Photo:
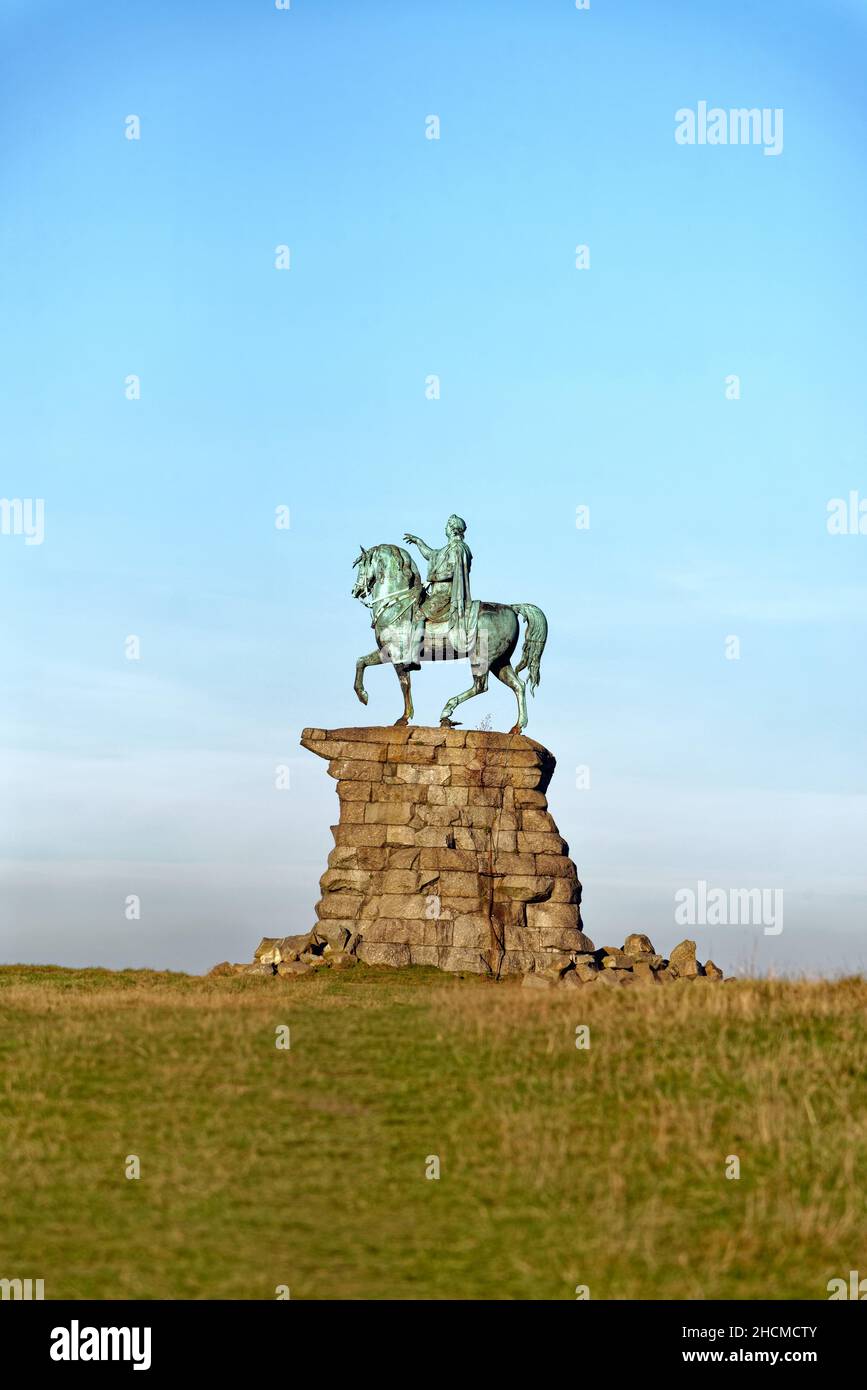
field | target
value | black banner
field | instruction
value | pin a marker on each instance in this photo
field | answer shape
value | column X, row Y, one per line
column 151, row 1338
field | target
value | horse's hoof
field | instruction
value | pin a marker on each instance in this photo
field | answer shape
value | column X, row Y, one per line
column 450, row 723
column 399, row 723
column 516, row 729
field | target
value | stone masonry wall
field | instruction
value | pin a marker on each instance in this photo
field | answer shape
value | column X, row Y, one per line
column 446, row 853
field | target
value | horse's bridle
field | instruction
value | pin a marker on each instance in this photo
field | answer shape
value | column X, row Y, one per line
column 381, row 604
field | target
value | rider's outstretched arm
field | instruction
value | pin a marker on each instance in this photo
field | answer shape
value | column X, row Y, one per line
column 426, row 550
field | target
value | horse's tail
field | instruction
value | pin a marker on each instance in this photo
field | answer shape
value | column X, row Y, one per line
column 535, row 637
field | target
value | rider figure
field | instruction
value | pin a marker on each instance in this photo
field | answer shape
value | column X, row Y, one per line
column 447, row 595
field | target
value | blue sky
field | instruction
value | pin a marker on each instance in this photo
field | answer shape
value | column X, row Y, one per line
column 602, row 387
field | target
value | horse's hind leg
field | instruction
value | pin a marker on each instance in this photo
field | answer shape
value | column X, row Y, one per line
column 478, row 687
column 403, row 676
column 505, row 674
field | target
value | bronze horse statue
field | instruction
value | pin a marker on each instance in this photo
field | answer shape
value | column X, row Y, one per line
column 389, row 584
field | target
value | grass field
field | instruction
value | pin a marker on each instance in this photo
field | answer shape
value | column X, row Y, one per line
column 305, row 1167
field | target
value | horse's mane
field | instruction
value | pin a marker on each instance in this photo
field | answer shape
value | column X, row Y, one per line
column 404, row 561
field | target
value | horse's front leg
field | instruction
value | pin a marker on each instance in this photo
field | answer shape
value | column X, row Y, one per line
column 403, row 677
column 361, row 665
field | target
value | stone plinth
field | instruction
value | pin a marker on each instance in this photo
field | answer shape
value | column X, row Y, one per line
column 446, row 853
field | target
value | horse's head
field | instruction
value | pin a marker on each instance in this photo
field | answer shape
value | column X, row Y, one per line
column 385, row 567
column 366, row 569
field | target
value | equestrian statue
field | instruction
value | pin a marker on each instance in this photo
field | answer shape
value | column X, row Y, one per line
column 439, row 621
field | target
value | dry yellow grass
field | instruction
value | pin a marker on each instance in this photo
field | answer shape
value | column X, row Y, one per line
column 560, row 1167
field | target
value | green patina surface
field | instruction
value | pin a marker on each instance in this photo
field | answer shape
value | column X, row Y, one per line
column 439, row 620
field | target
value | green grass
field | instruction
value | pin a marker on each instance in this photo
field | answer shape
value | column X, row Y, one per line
column 306, row 1167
